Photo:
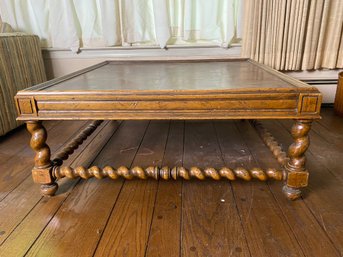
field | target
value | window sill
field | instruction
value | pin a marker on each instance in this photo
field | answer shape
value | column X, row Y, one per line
column 177, row 51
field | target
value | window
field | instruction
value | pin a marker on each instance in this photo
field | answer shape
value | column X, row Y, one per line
column 101, row 23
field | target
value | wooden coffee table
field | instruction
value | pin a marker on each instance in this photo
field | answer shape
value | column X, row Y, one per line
column 156, row 90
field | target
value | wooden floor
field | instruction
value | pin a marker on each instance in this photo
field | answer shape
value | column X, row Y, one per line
column 173, row 218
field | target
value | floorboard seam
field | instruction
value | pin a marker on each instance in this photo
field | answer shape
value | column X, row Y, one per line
column 76, row 184
column 309, row 151
column 155, row 200
column 67, row 140
column 122, row 185
column 319, row 214
column 52, row 216
column 302, row 199
column 14, row 188
column 314, row 130
column 231, row 189
column 328, row 236
column 17, row 225
column 182, row 191
column 256, row 160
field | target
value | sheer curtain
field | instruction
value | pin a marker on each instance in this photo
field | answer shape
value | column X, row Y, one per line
column 294, row 35
column 99, row 23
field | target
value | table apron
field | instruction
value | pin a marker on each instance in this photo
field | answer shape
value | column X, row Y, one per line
column 292, row 106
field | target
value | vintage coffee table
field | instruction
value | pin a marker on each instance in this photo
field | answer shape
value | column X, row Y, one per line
column 156, row 90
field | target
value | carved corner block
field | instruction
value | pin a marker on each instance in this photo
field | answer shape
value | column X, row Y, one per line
column 297, row 179
column 309, row 103
column 42, row 176
column 26, row 106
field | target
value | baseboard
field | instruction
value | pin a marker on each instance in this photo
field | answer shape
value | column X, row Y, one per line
column 325, row 80
column 328, row 91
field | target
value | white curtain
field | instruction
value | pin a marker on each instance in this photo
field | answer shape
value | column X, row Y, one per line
column 98, row 23
column 203, row 20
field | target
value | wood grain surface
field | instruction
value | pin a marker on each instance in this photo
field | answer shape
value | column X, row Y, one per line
column 338, row 105
column 84, row 197
column 39, row 215
column 166, row 221
column 134, row 231
column 172, row 76
column 204, row 232
column 253, row 220
column 201, row 89
column 312, row 238
column 265, row 229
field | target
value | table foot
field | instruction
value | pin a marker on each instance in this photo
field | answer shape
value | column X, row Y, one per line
column 293, row 163
column 43, row 168
column 291, row 193
column 49, row 189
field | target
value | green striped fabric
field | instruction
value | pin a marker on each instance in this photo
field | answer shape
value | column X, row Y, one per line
column 21, row 66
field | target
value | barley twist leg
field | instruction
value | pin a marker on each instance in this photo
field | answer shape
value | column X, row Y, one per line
column 71, row 146
column 42, row 170
column 296, row 173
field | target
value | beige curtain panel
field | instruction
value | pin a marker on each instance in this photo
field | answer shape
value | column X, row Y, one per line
column 294, row 34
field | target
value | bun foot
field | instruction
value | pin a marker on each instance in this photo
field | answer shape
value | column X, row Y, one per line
column 291, row 193
column 49, row 189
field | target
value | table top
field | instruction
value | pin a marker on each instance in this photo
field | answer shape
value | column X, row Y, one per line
column 197, row 89
column 176, row 76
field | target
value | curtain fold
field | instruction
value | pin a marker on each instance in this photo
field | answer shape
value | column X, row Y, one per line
column 161, row 22
column 64, row 27
column 30, row 16
column 217, row 21
column 294, row 34
column 100, row 23
column 138, row 22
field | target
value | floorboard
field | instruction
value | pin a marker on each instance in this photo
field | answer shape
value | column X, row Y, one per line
column 132, row 215
column 16, row 168
column 305, row 228
column 173, row 218
column 265, row 228
column 166, row 221
column 210, row 224
column 326, row 178
column 39, row 216
column 24, row 194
